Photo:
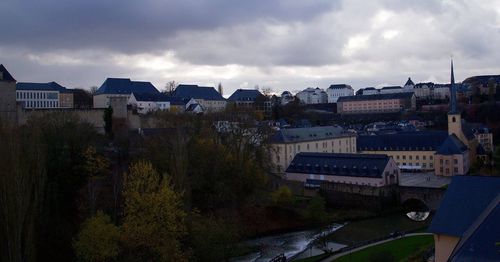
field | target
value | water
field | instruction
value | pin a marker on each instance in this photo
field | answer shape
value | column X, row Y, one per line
column 290, row 244
column 418, row 216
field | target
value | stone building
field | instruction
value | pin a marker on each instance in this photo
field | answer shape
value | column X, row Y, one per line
column 44, row 95
column 381, row 103
column 336, row 91
column 207, row 97
column 120, row 87
column 8, row 107
column 312, row 96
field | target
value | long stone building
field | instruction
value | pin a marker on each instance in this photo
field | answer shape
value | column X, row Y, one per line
column 381, row 103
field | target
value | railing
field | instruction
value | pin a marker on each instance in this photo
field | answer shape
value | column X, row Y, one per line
column 279, row 258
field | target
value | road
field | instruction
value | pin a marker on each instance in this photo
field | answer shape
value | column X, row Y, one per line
column 332, row 258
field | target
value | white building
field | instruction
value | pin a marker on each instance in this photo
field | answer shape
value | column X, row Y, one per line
column 336, row 91
column 43, row 95
column 286, row 97
column 370, row 91
column 146, row 103
column 409, row 85
column 120, row 87
column 312, row 96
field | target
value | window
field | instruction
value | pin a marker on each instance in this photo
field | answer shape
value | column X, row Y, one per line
column 455, row 161
column 431, row 165
column 423, row 157
column 455, row 169
column 417, row 158
column 447, row 171
column 441, row 169
column 441, row 161
column 404, row 157
column 447, row 161
column 430, row 157
column 298, row 147
column 397, row 157
column 410, row 157
column 307, row 146
column 316, row 145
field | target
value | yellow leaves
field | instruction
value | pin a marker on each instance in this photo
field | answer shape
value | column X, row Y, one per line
column 94, row 164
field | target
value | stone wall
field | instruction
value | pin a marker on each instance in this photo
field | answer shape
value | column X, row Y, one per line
column 350, row 196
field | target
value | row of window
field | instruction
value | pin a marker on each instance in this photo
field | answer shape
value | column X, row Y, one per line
column 424, row 165
column 41, row 104
column 36, row 95
column 416, row 157
column 455, row 169
column 447, row 162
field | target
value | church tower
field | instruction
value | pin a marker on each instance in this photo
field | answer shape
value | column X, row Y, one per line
column 454, row 118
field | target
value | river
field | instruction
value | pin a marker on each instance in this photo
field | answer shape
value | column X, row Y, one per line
column 293, row 245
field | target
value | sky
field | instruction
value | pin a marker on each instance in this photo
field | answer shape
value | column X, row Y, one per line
column 277, row 44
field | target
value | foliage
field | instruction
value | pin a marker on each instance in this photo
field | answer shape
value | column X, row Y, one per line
column 316, row 209
column 282, row 196
column 22, row 177
column 108, row 121
column 95, row 167
column 154, row 221
column 98, row 239
column 213, row 239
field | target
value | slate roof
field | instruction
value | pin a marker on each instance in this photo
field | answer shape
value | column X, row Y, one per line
column 197, row 92
column 478, row 242
column 246, row 95
column 391, row 87
column 177, row 101
column 6, row 75
column 465, row 199
column 340, row 86
column 482, row 79
column 451, row 146
column 52, row 86
column 125, row 86
column 289, row 135
column 404, row 141
column 421, row 85
column 406, row 95
column 151, row 97
column 409, row 82
column 355, row 165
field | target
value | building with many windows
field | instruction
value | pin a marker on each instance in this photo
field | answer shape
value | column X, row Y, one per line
column 288, row 142
column 251, row 98
column 336, row 91
column 146, row 103
column 121, row 87
column 312, row 96
column 313, row 169
column 382, row 103
column 43, row 95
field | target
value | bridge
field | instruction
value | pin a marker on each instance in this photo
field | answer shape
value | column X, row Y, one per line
column 421, row 198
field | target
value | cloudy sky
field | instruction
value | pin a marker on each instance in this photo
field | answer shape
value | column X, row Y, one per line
column 282, row 44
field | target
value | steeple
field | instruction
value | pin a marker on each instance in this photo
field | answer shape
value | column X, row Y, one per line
column 453, row 92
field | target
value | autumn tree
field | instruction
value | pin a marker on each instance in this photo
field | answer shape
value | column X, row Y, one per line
column 282, row 196
column 98, row 240
column 95, row 167
column 154, row 221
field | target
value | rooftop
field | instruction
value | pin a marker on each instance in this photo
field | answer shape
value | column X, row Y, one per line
column 52, row 86
column 289, row 135
column 406, row 95
column 6, row 76
column 404, row 141
column 246, row 95
column 197, row 92
column 451, row 146
column 340, row 86
column 358, row 165
column 125, row 86
column 464, row 201
column 151, row 97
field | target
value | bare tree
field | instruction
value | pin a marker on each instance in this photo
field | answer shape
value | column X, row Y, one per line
column 267, row 91
column 93, row 90
column 170, row 87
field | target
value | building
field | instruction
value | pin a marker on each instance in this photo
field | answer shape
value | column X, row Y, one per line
column 120, row 87
column 482, row 134
column 145, row 103
column 251, row 98
column 209, row 99
column 359, row 169
column 391, row 90
column 465, row 227
column 312, row 96
column 335, row 91
column 43, row 95
column 8, row 107
column 451, row 158
column 409, row 85
column 286, row 97
column 440, row 91
column 286, row 143
column 382, row 103
column 370, row 91
column 423, row 90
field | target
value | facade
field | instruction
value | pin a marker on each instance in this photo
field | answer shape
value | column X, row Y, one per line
column 452, row 158
column 286, row 143
column 423, row 90
column 209, row 99
column 120, row 87
column 370, row 91
column 409, row 85
column 358, row 169
column 312, row 96
column 286, row 97
column 440, row 91
column 382, row 103
column 43, row 95
column 251, row 98
column 8, row 107
column 335, row 91
column 146, row 103
column 465, row 227
column 391, row 90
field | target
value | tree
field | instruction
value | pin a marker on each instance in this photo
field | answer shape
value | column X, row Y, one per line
column 98, row 239
column 108, row 121
column 93, row 90
column 95, row 167
column 491, row 90
column 282, row 196
column 316, row 209
column 154, row 221
column 22, row 178
column 170, row 87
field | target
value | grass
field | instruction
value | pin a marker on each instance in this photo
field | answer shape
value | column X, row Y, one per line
column 313, row 258
column 399, row 249
column 372, row 228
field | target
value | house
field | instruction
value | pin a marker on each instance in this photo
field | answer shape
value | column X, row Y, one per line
column 43, row 95
column 251, row 98
column 359, row 169
column 465, row 227
column 391, row 90
column 312, row 96
column 286, row 143
column 381, row 103
column 8, row 107
column 286, row 97
column 120, row 87
column 370, row 91
column 452, row 157
column 423, row 90
column 208, row 98
column 145, row 103
column 336, row 91
column 409, row 85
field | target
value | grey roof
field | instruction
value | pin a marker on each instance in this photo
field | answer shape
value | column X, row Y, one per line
column 409, row 82
column 357, row 165
column 52, row 86
column 340, row 86
column 391, row 87
column 125, row 86
column 464, row 201
column 404, row 141
column 197, row 92
column 246, row 95
column 406, row 95
column 6, row 75
column 289, row 135
column 151, row 97
column 451, row 146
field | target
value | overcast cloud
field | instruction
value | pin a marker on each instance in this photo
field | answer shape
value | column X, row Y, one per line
column 283, row 44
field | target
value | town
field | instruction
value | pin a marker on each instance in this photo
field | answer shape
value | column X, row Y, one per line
column 130, row 171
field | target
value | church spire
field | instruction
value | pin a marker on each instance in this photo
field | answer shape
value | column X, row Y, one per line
column 453, row 92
